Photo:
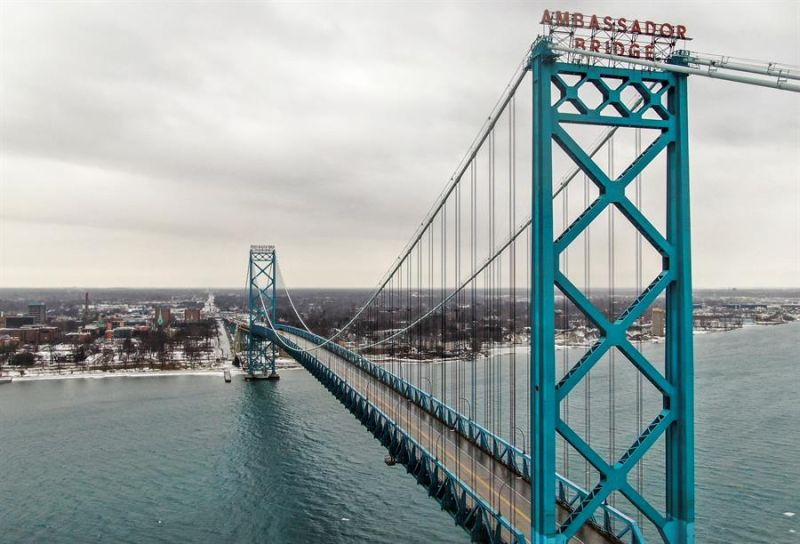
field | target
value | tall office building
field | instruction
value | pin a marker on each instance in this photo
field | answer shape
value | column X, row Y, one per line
column 38, row 310
column 657, row 327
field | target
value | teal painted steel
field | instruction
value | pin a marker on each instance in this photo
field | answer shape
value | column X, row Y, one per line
column 679, row 349
column 674, row 422
column 261, row 281
column 543, row 261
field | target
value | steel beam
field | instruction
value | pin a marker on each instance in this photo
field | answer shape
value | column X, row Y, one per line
column 542, row 391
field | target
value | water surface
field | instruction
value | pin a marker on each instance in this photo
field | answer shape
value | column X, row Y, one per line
column 190, row 458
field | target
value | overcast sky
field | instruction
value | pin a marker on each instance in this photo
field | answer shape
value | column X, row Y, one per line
column 149, row 143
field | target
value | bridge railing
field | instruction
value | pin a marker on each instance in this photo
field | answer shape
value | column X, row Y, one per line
column 569, row 494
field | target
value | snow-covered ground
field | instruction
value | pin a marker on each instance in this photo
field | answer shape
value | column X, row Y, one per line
column 121, row 373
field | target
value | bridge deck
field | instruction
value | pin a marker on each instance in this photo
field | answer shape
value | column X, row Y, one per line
column 505, row 491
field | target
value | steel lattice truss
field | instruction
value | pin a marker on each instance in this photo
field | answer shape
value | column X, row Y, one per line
column 261, row 353
column 674, row 421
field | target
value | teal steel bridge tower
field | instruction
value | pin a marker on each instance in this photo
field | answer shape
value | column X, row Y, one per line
column 664, row 95
column 261, row 285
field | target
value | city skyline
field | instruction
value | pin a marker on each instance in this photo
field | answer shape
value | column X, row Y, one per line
column 150, row 148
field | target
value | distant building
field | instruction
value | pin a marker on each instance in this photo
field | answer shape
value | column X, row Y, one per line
column 137, row 321
column 38, row 311
column 561, row 320
column 33, row 334
column 657, row 327
column 7, row 340
column 94, row 330
column 17, row 321
column 123, row 332
column 192, row 315
column 114, row 322
column 78, row 337
column 48, row 335
column 65, row 324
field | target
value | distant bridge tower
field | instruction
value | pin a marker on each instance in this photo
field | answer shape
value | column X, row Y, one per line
column 261, row 278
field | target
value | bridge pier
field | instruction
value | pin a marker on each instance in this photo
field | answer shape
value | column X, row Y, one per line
column 272, row 376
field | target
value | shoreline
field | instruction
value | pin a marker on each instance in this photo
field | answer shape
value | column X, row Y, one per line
column 121, row 374
column 292, row 365
column 138, row 373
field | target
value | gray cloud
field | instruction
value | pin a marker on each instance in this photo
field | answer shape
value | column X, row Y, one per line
column 179, row 133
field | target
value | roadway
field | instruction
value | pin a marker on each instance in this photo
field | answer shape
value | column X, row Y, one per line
column 506, row 492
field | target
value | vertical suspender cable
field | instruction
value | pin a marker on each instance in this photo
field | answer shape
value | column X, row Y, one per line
column 443, row 309
column 512, row 269
column 473, row 331
column 639, row 286
column 456, row 274
column 420, row 354
column 457, row 339
column 430, row 342
column 564, row 326
column 587, row 277
column 492, row 274
column 611, row 316
column 472, row 257
column 528, row 313
column 490, row 290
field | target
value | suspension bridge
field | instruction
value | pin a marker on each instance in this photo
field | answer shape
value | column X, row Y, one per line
column 528, row 356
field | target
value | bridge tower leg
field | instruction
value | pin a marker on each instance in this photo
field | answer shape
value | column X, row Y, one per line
column 544, row 407
column 663, row 108
column 261, row 281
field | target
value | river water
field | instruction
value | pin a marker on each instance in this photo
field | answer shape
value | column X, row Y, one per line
column 192, row 459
